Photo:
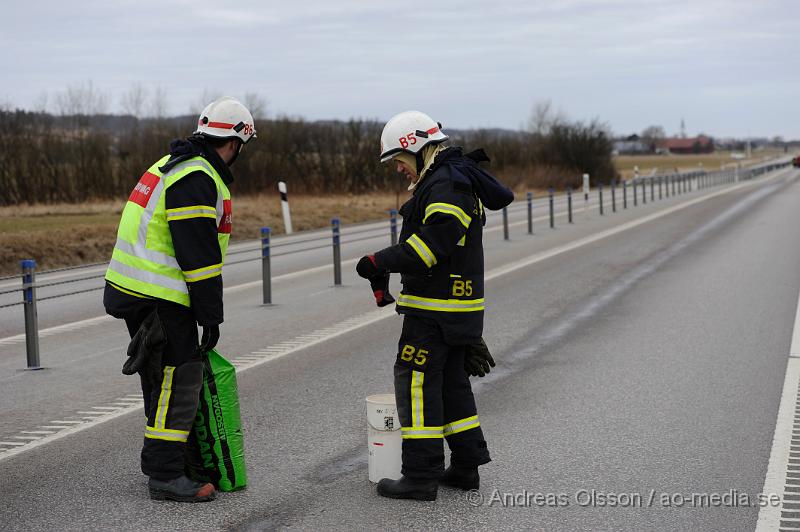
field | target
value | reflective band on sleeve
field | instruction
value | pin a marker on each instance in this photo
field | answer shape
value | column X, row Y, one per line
column 419, row 433
column 461, row 425
column 447, row 208
column 422, row 250
column 195, row 211
column 203, row 273
column 440, row 305
column 417, row 402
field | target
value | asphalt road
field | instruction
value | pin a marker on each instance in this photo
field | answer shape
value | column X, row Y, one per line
column 641, row 352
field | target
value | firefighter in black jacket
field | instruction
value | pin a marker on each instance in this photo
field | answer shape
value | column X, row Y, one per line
column 165, row 278
column 440, row 257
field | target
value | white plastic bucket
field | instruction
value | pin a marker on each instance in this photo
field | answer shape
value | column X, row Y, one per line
column 383, row 437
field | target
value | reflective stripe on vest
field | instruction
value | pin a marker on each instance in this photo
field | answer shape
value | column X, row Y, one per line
column 143, row 260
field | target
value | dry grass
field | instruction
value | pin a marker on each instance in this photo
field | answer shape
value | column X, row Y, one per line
column 671, row 163
column 67, row 235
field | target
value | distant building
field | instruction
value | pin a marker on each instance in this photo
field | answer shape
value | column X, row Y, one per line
column 701, row 144
column 632, row 145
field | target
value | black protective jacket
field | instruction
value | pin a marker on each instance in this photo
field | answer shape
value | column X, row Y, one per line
column 440, row 254
column 194, row 239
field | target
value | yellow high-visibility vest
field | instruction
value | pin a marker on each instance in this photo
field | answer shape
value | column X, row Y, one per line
column 143, row 260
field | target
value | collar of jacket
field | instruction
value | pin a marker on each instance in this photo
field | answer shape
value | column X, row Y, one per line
column 182, row 149
column 441, row 159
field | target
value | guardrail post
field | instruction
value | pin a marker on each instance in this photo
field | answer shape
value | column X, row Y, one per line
column 613, row 195
column 672, row 178
column 505, row 223
column 600, row 196
column 660, row 180
column 569, row 204
column 644, row 193
column 287, row 216
column 266, row 269
column 652, row 189
column 624, row 194
column 31, row 317
column 393, row 226
column 530, row 213
column 337, row 252
column 635, row 194
column 552, row 216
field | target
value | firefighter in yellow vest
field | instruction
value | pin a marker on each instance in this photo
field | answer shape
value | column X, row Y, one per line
column 165, row 279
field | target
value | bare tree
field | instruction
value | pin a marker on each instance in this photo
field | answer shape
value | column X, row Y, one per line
column 133, row 100
column 40, row 103
column 158, row 102
column 653, row 133
column 82, row 100
column 544, row 117
column 208, row 96
column 256, row 104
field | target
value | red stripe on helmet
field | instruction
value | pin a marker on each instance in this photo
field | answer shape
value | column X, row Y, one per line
column 220, row 125
column 433, row 130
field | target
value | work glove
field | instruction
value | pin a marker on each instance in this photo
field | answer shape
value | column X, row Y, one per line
column 210, row 338
column 478, row 360
column 146, row 349
column 367, row 268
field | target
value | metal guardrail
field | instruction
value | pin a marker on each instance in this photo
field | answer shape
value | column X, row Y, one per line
column 667, row 184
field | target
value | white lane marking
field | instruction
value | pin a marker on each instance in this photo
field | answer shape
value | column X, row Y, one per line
column 50, row 331
column 14, row 443
column 769, row 517
column 27, row 437
column 357, row 322
column 59, row 427
column 36, row 432
column 70, row 422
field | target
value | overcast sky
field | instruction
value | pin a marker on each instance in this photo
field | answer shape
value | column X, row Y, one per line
column 728, row 68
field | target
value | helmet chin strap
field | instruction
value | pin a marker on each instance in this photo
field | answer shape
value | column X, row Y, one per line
column 236, row 154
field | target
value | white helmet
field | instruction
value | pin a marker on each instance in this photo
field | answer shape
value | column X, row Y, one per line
column 409, row 132
column 226, row 118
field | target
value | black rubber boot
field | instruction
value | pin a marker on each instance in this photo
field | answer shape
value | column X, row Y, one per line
column 181, row 489
column 465, row 478
column 421, row 489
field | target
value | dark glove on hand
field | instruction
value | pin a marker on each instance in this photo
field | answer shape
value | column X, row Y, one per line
column 378, row 279
column 367, row 267
column 478, row 360
column 210, row 338
column 380, row 289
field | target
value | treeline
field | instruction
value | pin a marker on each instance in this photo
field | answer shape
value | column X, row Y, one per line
column 57, row 158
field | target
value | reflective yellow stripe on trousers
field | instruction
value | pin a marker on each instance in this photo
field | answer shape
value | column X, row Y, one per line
column 418, row 430
column 159, row 431
column 461, row 425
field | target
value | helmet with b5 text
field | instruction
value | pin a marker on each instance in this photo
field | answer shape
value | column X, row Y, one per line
column 409, row 132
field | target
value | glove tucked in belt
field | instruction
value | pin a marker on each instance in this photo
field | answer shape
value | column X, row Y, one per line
column 146, row 349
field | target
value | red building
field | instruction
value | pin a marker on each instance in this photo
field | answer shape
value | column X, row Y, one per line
column 701, row 144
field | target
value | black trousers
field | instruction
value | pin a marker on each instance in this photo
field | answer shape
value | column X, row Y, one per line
column 171, row 403
column 434, row 402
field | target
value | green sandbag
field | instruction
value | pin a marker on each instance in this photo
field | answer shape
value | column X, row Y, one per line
column 215, row 450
